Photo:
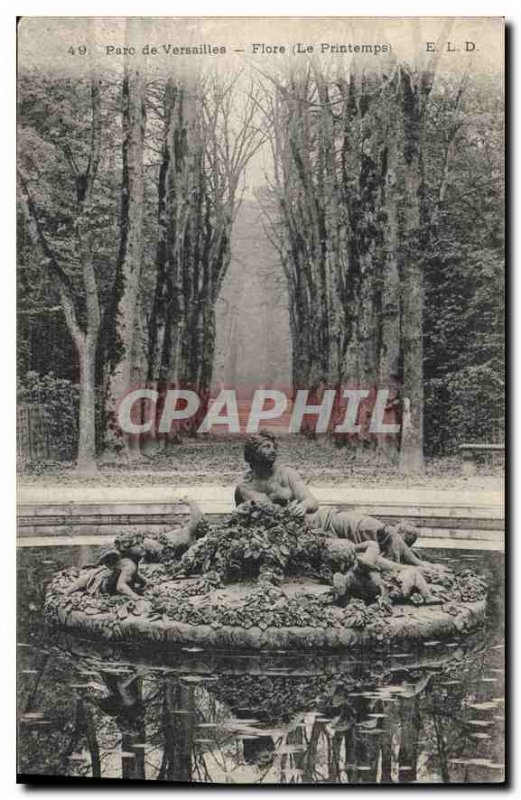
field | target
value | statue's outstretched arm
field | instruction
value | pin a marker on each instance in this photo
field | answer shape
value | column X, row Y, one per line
column 245, row 493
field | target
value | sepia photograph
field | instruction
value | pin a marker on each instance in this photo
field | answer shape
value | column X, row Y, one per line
column 260, row 418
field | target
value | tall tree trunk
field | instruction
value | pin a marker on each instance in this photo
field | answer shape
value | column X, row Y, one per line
column 127, row 285
column 411, row 450
column 86, row 461
column 160, row 325
column 389, row 327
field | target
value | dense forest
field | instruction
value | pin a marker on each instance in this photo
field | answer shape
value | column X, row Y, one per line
column 384, row 202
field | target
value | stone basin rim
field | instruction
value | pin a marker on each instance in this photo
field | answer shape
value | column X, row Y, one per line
column 409, row 624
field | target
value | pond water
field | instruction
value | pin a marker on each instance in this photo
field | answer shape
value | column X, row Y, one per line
column 432, row 714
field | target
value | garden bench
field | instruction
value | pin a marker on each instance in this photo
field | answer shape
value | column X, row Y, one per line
column 469, row 453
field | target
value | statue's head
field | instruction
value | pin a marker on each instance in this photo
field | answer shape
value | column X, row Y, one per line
column 260, row 449
column 131, row 544
column 408, row 532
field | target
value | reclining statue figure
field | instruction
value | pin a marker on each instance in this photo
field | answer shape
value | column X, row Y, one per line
column 268, row 482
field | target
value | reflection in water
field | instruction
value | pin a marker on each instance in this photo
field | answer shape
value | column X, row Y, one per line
column 432, row 714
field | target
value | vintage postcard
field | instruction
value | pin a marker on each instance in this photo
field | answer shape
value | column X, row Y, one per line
column 260, row 414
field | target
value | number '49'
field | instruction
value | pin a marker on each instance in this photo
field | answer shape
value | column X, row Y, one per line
column 81, row 50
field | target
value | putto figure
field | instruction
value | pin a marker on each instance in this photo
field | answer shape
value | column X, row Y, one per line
column 117, row 569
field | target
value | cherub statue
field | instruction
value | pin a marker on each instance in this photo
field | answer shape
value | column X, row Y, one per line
column 117, row 569
column 370, row 576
